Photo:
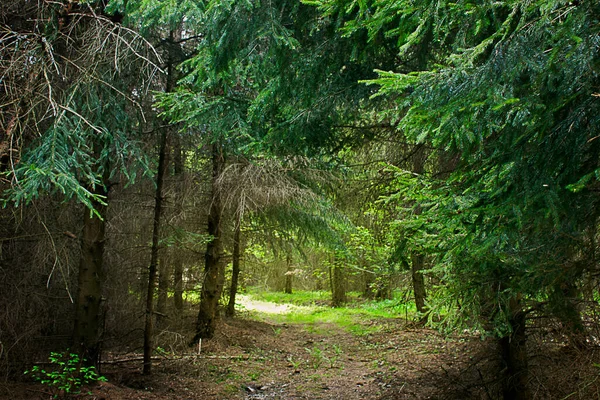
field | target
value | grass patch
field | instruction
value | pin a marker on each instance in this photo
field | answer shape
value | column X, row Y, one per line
column 359, row 317
column 298, row 298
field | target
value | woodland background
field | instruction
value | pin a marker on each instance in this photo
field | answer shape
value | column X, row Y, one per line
column 157, row 157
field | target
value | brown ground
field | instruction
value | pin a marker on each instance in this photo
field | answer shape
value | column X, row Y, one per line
column 261, row 360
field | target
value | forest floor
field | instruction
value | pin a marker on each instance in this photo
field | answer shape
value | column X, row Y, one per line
column 256, row 356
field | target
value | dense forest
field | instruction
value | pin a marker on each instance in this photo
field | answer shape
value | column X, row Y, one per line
column 162, row 159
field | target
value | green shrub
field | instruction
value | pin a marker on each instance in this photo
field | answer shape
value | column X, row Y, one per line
column 66, row 375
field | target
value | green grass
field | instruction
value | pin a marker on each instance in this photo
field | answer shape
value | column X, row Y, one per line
column 359, row 317
column 298, row 298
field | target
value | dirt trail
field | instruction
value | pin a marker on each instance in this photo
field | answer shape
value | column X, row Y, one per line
column 254, row 359
column 266, row 307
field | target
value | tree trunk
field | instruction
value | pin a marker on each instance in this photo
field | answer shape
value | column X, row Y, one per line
column 564, row 306
column 178, row 168
column 178, row 282
column 174, row 35
column 418, row 281
column 289, row 275
column 212, row 285
column 418, row 259
column 164, row 275
column 338, row 289
column 149, row 325
column 514, row 355
column 86, row 333
column 235, row 273
column 368, row 291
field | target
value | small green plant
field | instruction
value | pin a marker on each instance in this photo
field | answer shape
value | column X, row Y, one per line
column 254, row 375
column 337, row 352
column 317, row 357
column 66, row 375
column 295, row 364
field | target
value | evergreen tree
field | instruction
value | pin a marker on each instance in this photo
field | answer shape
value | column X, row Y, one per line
column 510, row 86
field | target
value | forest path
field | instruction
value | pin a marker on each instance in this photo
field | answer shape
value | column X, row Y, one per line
column 267, row 307
column 371, row 359
column 253, row 357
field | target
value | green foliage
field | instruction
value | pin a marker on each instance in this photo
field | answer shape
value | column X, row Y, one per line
column 507, row 89
column 66, row 375
column 320, row 356
column 88, row 143
column 317, row 357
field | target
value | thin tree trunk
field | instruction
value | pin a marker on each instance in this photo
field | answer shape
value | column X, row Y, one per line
column 149, row 325
column 212, row 285
column 289, row 275
column 86, row 333
column 178, row 283
column 368, row 292
column 158, row 199
column 164, row 275
column 418, row 281
column 338, row 288
column 418, row 259
column 514, row 355
column 178, row 168
column 235, row 273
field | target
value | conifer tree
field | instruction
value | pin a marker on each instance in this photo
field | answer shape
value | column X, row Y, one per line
column 511, row 87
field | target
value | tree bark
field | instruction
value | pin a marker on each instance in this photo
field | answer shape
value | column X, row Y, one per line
column 368, row 291
column 564, row 306
column 86, row 333
column 178, row 168
column 289, row 275
column 418, row 281
column 171, row 81
column 514, row 354
column 212, row 285
column 338, row 288
column 235, row 273
column 164, row 275
column 152, row 269
column 178, row 283
column 418, row 259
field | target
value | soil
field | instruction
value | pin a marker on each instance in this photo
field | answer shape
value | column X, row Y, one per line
column 252, row 359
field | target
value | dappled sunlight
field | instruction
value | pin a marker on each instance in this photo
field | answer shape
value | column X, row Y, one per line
column 250, row 304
